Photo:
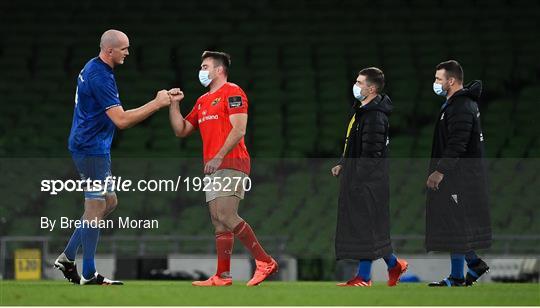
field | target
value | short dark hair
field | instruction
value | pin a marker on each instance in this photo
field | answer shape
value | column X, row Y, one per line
column 452, row 69
column 220, row 58
column 374, row 76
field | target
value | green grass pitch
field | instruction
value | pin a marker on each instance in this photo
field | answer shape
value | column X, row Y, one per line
column 269, row 293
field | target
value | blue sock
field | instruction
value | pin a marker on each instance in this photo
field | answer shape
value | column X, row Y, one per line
column 457, row 261
column 471, row 258
column 73, row 245
column 364, row 270
column 89, row 239
column 391, row 260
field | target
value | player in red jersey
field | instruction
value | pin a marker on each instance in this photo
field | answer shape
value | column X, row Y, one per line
column 221, row 117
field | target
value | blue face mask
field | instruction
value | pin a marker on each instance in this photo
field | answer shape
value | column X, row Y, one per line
column 357, row 92
column 438, row 89
column 204, row 78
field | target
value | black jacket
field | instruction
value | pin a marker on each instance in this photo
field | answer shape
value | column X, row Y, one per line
column 458, row 215
column 363, row 222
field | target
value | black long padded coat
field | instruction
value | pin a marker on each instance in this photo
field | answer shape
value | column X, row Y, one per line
column 363, row 220
column 458, row 214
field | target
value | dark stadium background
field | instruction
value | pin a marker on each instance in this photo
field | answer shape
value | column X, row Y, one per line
column 296, row 60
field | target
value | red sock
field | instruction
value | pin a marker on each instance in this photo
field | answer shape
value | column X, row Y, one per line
column 224, row 246
column 244, row 232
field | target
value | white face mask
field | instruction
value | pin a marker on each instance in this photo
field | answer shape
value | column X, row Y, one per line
column 438, row 89
column 204, row 78
column 357, row 92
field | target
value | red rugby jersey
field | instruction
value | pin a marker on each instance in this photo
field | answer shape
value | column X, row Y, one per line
column 211, row 116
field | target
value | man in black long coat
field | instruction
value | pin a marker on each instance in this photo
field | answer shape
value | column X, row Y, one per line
column 363, row 222
column 457, row 210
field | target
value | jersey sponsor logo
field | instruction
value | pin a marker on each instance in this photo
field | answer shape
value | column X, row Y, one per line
column 235, row 101
column 216, row 101
column 208, row 118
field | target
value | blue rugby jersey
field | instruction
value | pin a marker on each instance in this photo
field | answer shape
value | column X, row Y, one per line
column 92, row 130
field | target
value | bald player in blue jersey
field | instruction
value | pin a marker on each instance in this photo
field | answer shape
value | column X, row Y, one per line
column 98, row 112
